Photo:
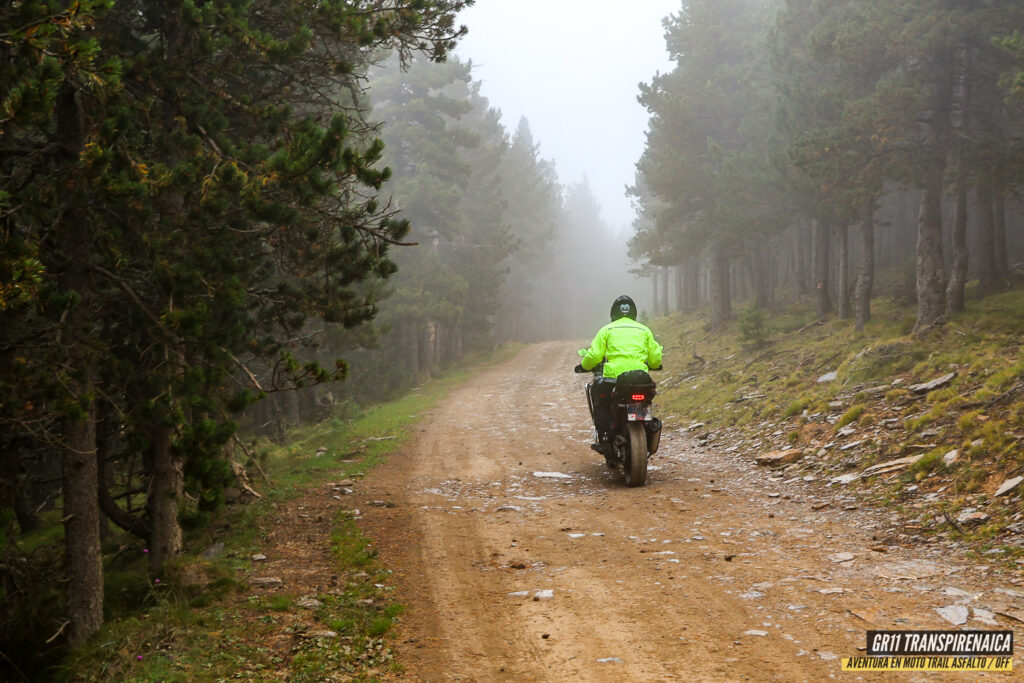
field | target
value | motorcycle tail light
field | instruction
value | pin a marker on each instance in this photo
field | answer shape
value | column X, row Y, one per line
column 639, row 397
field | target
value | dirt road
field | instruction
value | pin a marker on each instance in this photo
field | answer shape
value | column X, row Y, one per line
column 715, row 570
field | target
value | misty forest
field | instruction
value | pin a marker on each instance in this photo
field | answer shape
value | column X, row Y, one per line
column 234, row 232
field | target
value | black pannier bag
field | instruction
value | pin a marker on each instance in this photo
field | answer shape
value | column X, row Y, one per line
column 636, row 380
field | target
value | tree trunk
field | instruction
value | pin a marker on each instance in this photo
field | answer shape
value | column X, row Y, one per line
column 703, row 282
column 1000, row 256
column 439, row 343
column 292, row 413
column 659, row 297
column 866, row 276
column 665, row 305
column 108, row 505
column 992, row 130
column 803, row 237
column 960, row 253
column 428, row 348
column 789, row 277
column 738, row 279
column 83, row 555
column 692, row 283
column 165, row 493
column 788, row 267
column 762, row 281
column 658, row 306
column 961, row 121
column 819, row 239
column 986, row 261
column 27, row 518
column 930, row 266
column 843, row 274
column 15, row 486
column 739, row 271
column 682, row 283
column 931, row 280
column 721, row 304
column 425, row 351
column 412, row 349
column 678, row 273
column 278, row 421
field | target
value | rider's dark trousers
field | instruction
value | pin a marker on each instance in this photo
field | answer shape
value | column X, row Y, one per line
column 601, row 396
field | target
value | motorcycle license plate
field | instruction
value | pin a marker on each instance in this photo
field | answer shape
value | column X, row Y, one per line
column 638, row 412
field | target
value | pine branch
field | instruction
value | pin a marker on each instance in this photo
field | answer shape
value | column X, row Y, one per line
column 252, row 376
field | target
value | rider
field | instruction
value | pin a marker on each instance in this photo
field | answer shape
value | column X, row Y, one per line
column 623, row 345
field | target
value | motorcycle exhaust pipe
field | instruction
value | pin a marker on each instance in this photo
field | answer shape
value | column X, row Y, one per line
column 653, row 429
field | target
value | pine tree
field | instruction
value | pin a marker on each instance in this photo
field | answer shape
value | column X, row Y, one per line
column 705, row 143
column 51, row 58
column 186, row 186
column 447, row 147
column 533, row 207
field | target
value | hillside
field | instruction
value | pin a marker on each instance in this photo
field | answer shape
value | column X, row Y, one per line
column 929, row 426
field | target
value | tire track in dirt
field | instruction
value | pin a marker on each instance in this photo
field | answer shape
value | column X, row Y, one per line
column 713, row 571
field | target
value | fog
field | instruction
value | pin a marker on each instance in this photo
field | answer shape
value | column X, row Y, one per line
column 506, row 249
column 572, row 68
column 758, row 174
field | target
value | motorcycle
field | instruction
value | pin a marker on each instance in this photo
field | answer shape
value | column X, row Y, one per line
column 635, row 432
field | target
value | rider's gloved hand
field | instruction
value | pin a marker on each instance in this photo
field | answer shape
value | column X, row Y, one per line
column 578, row 368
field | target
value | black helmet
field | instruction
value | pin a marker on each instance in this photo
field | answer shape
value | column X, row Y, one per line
column 623, row 307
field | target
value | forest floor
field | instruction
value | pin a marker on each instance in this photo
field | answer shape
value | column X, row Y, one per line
column 717, row 569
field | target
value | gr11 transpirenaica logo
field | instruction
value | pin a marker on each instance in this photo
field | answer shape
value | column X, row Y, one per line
column 945, row 643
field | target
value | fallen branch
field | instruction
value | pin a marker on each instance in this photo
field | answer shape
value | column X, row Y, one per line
column 816, row 323
column 1002, row 397
column 827, row 361
column 808, row 359
column 253, row 460
column 242, row 480
column 668, row 384
column 763, row 356
column 952, row 522
column 250, row 490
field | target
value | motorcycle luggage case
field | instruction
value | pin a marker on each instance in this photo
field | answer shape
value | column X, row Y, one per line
column 635, row 381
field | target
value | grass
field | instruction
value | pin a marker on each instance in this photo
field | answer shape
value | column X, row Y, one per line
column 352, row 446
column 851, row 415
column 797, row 407
column 197, row 624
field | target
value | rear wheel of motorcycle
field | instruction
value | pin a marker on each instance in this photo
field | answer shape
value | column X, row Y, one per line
column 636, row 461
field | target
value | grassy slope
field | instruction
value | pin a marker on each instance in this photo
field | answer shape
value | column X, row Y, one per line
column 178, row 631
column 769, row 398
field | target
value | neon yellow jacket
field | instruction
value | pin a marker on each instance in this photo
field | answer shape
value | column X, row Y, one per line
column 626, row 344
